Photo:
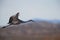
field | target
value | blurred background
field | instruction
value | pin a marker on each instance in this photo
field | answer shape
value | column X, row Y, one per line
column 29, row 9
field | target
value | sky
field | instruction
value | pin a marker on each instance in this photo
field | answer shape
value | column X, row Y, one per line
column 29, row 9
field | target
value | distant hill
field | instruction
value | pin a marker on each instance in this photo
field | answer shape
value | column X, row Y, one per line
column 31, row 31
column 50, row 21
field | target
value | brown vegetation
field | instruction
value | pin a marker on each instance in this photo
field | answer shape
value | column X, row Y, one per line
column 31, row 31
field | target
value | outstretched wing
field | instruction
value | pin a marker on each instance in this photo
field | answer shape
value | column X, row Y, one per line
column 10, row 20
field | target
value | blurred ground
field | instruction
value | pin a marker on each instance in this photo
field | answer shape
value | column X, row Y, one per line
column 31, row 31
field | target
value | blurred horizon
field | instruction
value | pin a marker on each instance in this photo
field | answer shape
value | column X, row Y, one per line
column 29, row 9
